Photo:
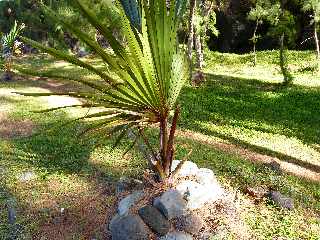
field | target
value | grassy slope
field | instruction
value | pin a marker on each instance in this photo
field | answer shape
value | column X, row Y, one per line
column 238, row 104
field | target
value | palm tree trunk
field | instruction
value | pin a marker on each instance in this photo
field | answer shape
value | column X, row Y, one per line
column 191, row 32
column 8, row 74
column 317, row 44
column 170, row 147
column 163, row 139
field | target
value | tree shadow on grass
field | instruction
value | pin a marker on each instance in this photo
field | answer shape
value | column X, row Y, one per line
column 254, row 105
column 56, row 156
column 264, row 150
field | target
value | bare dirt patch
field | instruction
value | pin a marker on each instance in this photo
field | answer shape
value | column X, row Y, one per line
column 14, row 129
column 78, row 213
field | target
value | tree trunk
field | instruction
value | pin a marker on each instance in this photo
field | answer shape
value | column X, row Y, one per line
column 287, row 77
column 317, row 44
column 199, row 50
column 191, row 32
column 254, row 40
column 282, row 60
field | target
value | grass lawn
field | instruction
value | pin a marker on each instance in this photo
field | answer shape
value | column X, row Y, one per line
column 237, row 123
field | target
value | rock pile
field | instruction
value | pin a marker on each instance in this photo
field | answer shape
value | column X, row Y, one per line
column 169, row 216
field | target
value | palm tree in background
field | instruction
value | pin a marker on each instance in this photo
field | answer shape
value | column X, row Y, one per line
column 9, row 46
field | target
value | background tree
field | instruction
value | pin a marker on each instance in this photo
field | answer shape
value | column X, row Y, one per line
column 263, row 11
column 202, row 19
column 192, row 9
column 314, row 7
column 144, row 77
column 205, row 20
column 257, row 14
column 8, row 47
column 284, row 27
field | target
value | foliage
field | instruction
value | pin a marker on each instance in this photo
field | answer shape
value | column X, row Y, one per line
column 205, row 22
column 9, row 45
column 285, row 24
column 264, row 11
column 143, row 79
column 283, row 62
column 314, row 6
column 284, row 27
column 8, row 41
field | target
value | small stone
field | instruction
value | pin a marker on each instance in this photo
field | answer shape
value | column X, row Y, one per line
column 177, row 236
column 198, row 195
column 27, row 176
column 275, row 166
column 190, row 223
column 281, row 200
column 122, row 185
column 256, row 192
column 82, row 53
column 128, row 202
column 127, row 184
column 12, row 214
column 155, row 220
column 205, row 176
column 188, row 168
column 130, row 227
column 171, row 204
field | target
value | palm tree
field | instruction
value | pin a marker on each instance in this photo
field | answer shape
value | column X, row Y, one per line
column 144, row 78
column 8, row 47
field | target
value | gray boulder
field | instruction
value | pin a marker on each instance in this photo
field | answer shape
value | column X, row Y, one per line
column 205, row 176
column 128, row 202
column 155, row 220
column 190, row 223
column 129, row 227
column 171, row 204
column 177, row 236
column 281, row 200
column 197, row 195
column 188, row 168
column 113, row 221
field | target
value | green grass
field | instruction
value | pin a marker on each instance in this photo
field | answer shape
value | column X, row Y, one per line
column 239, row 104
column 302, row 64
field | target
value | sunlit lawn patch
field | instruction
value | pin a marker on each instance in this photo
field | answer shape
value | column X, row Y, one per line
column 76, row 174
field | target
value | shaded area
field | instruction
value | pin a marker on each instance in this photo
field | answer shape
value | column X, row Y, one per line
column 72, row 192
column 264, row 150
column 293, row 111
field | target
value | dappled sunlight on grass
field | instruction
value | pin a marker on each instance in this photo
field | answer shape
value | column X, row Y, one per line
column 236, row 126
column 256, row 115
column 276, row 142
column 301, row 64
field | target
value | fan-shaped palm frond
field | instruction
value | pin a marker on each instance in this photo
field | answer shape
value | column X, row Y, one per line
column 144, row 77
